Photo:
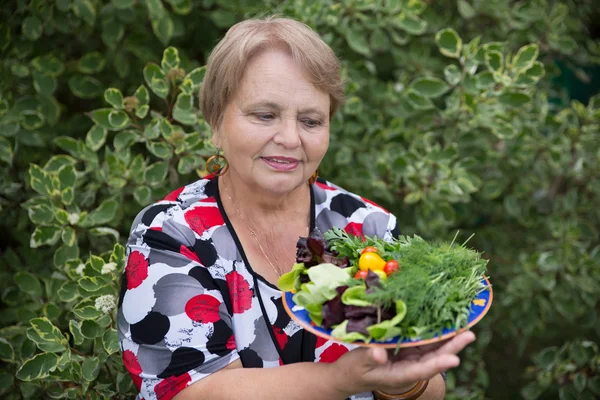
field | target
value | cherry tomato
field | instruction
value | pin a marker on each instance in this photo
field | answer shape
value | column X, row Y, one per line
column 369, row 249
column 391, row 267
column 361, row 274
column 372, row 261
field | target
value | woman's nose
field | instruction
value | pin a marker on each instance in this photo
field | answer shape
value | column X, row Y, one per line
column 288, row 134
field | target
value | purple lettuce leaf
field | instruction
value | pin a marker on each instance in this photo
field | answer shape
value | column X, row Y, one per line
column 303, row 254
column 333, row 310
column 360, row 324
column 316, row 244
column 388, row 313
column 340, row 262
column 314, row 250
column 371, row 282
column 351, row 312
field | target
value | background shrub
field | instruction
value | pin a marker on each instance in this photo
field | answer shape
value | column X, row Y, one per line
column 461, row 115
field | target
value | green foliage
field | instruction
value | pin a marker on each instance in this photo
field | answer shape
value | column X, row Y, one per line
column 571, row 370
column 452, row 122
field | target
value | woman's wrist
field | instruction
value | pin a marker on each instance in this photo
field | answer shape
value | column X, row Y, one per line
column 340, row 381
column 401, row 389
column 411, row 394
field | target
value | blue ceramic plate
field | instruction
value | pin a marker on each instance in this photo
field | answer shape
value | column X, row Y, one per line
column 480, row 306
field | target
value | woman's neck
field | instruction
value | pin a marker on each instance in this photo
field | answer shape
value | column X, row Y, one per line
column 261, row 206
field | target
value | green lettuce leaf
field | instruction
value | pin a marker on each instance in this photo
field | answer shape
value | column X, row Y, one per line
column 303, row 298
column 328, row 276
column 291, row 281
column 324, row 278
column 355, row 296
column 387, row 329
column 414, row 332
column 315, row 312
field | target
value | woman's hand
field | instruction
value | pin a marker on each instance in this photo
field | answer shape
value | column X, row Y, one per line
column 365, row 370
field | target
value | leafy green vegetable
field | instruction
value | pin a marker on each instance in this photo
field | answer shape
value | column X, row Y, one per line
column 388, row 329
column 433, row 289
column 327, row 276
column 291, row 280
column 324, row 279
column 437, row 281
column 355, row 296
column 315, row 311
column 339, row 332
column 351, row 246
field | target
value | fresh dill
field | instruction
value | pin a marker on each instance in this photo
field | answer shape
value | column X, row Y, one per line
column 437, row 280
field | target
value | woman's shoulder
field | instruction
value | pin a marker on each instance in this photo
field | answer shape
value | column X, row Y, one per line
column 338, row 207
column 193, row 205
column 335, row 197
column 204, row 189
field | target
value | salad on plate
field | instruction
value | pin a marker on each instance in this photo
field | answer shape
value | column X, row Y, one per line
column 371, row 290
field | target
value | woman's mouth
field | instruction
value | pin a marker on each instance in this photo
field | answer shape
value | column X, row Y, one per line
column 281, row 163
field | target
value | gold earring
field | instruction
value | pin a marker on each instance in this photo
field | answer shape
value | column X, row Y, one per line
column 313, row 177
column 213, row 164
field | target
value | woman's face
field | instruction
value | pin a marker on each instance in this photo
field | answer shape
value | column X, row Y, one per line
column 275, row 130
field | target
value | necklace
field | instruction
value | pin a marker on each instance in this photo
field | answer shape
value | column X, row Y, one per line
column 277, row 271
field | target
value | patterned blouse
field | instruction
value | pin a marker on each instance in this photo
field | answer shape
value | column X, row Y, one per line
column 190, row 303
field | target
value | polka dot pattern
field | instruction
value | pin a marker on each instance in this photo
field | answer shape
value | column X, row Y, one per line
column 189, row 304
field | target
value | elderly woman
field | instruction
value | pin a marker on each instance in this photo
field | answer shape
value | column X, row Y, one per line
column 200, row 316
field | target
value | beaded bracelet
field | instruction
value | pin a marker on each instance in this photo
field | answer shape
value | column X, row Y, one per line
column 412, row 394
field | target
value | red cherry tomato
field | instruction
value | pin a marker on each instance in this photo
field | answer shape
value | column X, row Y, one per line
column 369, row 249
column 391, row 267
column 361, row 274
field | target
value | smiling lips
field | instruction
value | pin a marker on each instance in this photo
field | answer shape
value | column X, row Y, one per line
column 281, row 163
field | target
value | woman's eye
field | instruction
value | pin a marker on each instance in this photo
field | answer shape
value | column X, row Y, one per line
column 264, row 117
column 312, row 123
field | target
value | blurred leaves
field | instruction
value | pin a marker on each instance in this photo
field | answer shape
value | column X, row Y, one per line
column 570, row 370
column 452, row 122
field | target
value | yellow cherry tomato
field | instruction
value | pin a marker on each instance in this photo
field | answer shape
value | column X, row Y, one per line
column 380, row 274
column 372, row 261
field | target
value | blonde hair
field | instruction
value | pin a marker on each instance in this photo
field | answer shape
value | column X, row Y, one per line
column 228, row 60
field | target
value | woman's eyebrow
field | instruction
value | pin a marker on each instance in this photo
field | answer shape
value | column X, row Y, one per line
column 265, row 104
column 312, row 110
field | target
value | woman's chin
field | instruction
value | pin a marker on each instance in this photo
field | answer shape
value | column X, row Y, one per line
column 280, row 185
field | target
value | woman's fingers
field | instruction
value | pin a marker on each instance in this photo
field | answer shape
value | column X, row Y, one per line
column 422, row 370
column 421, row 351
column 409, row 371
column 432, row 347
column 378, row 355
column 422, row 363
column 453, row 346
column 376, row 368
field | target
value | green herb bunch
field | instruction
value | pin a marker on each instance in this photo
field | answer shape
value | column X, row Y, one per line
column 437, row 280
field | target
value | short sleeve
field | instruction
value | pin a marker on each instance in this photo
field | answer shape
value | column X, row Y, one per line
column 174, row 325
column 394, row 228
